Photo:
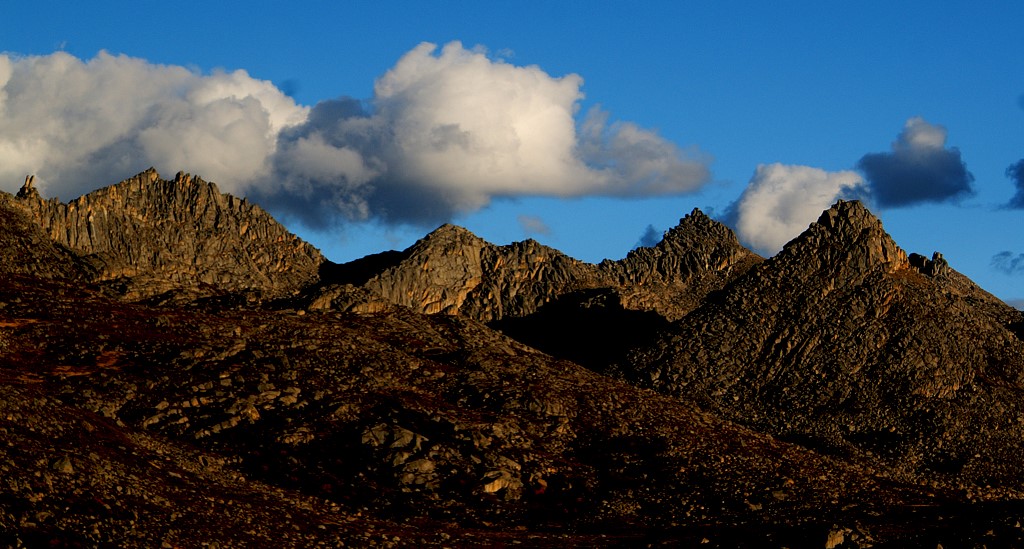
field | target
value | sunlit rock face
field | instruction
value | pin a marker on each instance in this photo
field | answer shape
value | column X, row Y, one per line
column 147, row 235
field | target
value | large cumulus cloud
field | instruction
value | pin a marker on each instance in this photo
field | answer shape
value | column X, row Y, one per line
column 77, row 124
column 920, row 168
column 445, row 132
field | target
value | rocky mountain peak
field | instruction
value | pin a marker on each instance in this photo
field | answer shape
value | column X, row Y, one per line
column 697, row 256
column 697, row 218
column 847, row 237
column 448, row 237
column 697, row 244
column 145, row 236
column 435, row 274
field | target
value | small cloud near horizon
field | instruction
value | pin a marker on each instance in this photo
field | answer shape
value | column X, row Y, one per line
column 650, row 238
column 532, row 225
column 1008, row 263
column 1016, row 173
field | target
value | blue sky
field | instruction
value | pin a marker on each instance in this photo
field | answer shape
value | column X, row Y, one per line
column 782, row 106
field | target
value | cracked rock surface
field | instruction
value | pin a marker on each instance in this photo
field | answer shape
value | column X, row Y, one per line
column 840, row 394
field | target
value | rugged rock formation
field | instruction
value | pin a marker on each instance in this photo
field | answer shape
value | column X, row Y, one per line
column 840, row 392
column 453, row 271
column 147, row 235
column 693, row 259
column 843, row 343
column 27, row 250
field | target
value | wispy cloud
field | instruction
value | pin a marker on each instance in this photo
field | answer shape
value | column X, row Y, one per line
column 650, row 238
column 1009, row 263
column 920, row 168
column 1016, row 173
column 446, row 131
column 533, row 225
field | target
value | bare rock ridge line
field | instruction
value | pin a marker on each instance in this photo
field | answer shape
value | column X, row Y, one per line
column 453, row 271
column 146, row 236
column 177, row 369
column 152, row 235
column 843, row 342
column 694, row 258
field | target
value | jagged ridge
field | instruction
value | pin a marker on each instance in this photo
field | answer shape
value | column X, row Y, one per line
column 151, row 235
column 453, row 271
column 901, row 370
column 840, row 342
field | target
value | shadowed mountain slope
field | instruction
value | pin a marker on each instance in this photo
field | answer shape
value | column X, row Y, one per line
column 844, row 343
column 134, row 424
column 841, row 392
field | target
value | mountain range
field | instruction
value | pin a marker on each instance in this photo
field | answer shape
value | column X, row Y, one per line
column 178, row 369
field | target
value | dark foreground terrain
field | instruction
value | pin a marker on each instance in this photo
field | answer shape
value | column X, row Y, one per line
column 177, row 370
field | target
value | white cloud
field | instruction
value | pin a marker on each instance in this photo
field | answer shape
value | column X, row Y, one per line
column 78, row 124
column 446, row 132
column 918, row 134
column 450, row 130
column 780, row 201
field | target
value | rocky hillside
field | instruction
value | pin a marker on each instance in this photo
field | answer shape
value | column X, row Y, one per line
column 840, row 394
column 30, row 252
column 693, row 259
column 453, row 271
column 843, row 343
column 146, row 236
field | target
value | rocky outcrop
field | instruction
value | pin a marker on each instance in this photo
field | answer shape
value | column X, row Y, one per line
column 829, row 395
column 840, row 342
column 436, row 274
column 147, row 235
column 520, row 278
column 936, row 266
column 453, row 271
column 694, row 258
column 27, row 250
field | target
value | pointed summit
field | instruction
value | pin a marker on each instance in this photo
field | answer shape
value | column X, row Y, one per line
column 435, row 274
column 846, row 237
column 698, row 244
column 450, row 232
column 697, row 231
column 146, row 236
